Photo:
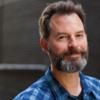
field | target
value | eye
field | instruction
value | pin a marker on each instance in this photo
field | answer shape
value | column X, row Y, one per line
column 62, row 37
column 79, row 35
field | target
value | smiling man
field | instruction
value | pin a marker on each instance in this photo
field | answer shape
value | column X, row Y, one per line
column 64, row 40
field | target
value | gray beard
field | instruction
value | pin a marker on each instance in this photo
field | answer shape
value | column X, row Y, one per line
column 69, row 66
column 72, row 66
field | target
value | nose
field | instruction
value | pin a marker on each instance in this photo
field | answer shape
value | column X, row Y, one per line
column 72, row 42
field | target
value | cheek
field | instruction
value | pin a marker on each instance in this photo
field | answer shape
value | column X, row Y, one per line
column 58, row 47
column 84, row 44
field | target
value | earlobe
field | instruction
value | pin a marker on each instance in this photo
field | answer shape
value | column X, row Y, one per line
column 43, row 44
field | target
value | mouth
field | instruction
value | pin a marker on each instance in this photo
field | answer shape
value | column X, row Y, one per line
column 73, row 57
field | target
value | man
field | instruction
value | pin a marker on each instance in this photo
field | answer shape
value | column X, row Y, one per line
column 64, row 40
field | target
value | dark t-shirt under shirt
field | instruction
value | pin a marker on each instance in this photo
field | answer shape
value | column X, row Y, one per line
column 80, row 97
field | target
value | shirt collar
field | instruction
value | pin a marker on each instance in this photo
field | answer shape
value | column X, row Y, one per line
column 55, row 86
column 87, row 89
column 57, row 89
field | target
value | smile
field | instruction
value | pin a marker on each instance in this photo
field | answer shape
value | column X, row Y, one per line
column 73, row 57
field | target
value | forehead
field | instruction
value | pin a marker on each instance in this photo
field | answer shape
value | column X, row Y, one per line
column 66, row 23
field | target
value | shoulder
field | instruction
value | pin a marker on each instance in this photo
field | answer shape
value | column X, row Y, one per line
column 92, row 83
column 37, row 91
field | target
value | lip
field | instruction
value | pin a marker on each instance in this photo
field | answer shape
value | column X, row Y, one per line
column 73, row 57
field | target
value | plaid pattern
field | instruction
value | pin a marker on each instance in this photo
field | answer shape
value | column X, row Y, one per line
column 48, row 88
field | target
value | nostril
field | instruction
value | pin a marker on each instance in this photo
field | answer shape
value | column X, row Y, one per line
column 72, row 44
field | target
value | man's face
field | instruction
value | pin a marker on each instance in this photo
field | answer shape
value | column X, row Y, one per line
column 67, row 43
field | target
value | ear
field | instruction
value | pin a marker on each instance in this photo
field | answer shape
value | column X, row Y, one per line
column 44, row 44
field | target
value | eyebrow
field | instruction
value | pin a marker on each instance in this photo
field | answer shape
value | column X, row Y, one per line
column 63, row 33
column 81, row 31
column 60, row 33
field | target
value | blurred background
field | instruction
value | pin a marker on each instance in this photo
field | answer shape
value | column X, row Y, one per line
column 21, row 59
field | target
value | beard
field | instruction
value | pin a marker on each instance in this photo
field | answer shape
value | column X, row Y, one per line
column 72, row 65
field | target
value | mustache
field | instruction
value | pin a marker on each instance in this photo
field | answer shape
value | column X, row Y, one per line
column 74, row 51
column 58, row 57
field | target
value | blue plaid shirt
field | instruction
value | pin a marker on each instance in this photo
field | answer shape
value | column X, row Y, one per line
column 48, row 88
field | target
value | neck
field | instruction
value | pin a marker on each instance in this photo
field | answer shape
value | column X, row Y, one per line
column 70, row 81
